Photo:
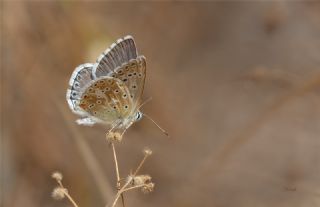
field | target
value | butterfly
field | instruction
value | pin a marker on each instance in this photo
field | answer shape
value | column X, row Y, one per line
column 109, row 91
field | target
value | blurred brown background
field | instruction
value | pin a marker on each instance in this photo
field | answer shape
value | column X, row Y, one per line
column 237, row 86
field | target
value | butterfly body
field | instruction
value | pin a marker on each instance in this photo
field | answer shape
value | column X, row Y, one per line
column 109, row 91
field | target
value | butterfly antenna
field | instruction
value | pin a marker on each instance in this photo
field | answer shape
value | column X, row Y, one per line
column 164, row 131
column 146, row 101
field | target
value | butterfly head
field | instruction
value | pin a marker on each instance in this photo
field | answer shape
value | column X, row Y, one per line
column 138, row 116
column 126, row 123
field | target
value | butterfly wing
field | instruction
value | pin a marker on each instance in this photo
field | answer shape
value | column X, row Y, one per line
column 107, row 99
column 110, row 89
column 133, row 75
column 121, row 61
column 120, row 52
column 81, row 76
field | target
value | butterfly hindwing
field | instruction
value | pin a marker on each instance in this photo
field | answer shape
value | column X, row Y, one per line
column 133, row 74
column 107, row 99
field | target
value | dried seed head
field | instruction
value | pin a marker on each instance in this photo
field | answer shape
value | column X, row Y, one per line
column 130, row 179
column 57, row 175
column 59, row 193
column 147, row 188
column 141, row 180
column 114, row 136
column 147, row 151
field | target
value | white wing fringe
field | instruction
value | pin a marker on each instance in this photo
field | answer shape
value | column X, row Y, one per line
column 85, row 121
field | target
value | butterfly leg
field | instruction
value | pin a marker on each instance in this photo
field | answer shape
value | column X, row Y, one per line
column 115, row 124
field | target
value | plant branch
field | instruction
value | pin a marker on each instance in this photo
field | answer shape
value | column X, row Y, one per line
column 123, row 189
column 117, row 171
column 67, row 194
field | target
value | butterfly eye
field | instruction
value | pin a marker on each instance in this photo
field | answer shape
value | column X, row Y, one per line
column 94, row 112
column 124, row 95
column 91, row 106
column 134, row 86
column 126, row 106
column 129, row 74
column 114, row 75
column 107, row 89
column 134, row 74
column 116, row 91
column 138, row 116
column 99, row 102
column 124, row 80
column 140, row 74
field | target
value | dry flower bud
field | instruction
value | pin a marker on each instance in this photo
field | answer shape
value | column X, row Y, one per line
column 130, row 178
column 57, row 175
column 147, row 151
column 148, row 188
column 141, row 180
column 59, row 193
column 114, row 136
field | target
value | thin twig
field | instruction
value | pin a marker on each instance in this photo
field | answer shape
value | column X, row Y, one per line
column 67, row 194
column 140, row 165
column 134, row 187
column 120, row 192
column 117, row 171
column 122, row 200
column 70, row 199
column 123, row 189
column 116, row 163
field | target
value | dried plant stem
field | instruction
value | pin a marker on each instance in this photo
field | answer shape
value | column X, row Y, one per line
column 134, row 187
column 124, row 187
column 120, row 192
column 140, row 165
column 116, row 163
column 67, row 194
column 117, row 171
column 71, row 200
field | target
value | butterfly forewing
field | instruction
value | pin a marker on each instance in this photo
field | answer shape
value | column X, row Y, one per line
column 115, row 56
column 81, row 76
column 107, row 99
